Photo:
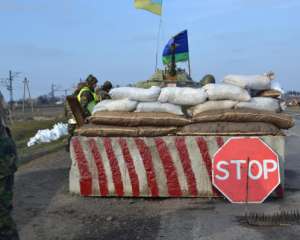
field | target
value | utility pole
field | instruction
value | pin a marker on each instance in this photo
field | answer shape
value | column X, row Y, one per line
column 10, row 89
column 66, row 93
column 52, row 91
column 26, row 87
column 24, row 94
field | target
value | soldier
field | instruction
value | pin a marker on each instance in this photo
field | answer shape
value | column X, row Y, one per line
column 8, row 159
column 103, row 92
column 87, row 96
column 207, row 79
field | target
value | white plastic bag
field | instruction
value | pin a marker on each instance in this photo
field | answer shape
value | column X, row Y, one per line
column 45, row 136
column 255, row 82
column 212, row 105
column 261, row 103
column 124, row 105
column 159, row 107
column 226, row 92
column 136, row 94
column 182, row 96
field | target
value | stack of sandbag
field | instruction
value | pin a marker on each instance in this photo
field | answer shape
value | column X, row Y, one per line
column 240, row 92
column 133, row 124
column 260, row 86
column 134, row 112
column 227, row 108
column 238, row 122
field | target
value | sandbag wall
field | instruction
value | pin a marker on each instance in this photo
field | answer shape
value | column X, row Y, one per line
column 241, row 105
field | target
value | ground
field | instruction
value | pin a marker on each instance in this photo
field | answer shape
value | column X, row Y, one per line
column 44, row 209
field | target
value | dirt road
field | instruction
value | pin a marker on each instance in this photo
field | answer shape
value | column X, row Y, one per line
column 45, row 210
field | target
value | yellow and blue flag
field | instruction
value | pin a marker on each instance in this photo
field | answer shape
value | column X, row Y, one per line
column 154, row 6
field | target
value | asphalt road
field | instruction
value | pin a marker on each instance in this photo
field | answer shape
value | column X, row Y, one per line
column 44, row 209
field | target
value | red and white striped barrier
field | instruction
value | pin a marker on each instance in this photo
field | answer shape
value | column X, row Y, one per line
column 149, row 167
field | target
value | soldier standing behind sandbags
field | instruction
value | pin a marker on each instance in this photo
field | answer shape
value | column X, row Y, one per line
column 103, row 92
column 87, row 96
column 207, row 79
column 8, row 159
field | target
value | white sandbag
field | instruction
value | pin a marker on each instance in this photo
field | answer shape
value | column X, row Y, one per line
column 255, row 82
column 212, row 105
column 182, row 96
column 226, row 92
column 136, row 94
column 277, row 86
column 124, row 105
column 46, row 136
column 261, row 103
column 159, row 107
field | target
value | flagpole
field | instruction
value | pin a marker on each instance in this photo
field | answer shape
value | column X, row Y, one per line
column 189, row 62
column 189, row 65
column 157, row 43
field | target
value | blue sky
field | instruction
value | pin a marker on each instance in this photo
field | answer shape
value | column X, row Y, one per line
column 61, row 41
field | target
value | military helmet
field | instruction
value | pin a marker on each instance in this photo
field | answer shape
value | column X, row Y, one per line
column 207, row 79
column 107, row 85
column 91, row 80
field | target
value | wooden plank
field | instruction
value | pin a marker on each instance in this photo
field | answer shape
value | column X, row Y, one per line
column 76, row 110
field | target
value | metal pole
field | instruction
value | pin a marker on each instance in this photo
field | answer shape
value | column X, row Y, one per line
column 24, row 94
column 157, row 43
column 189, row 66
column 10, row 89
column 30, row 99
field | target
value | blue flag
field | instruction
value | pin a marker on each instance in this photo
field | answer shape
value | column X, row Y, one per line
column 181, row 45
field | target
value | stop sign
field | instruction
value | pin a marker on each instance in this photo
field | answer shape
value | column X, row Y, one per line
column 246, row 170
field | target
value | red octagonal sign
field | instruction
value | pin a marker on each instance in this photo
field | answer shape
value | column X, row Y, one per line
column 246, row 170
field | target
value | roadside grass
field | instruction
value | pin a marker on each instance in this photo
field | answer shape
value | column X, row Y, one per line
column 22, row 131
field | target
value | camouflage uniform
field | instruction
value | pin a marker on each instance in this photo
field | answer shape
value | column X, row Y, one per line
column 87, row 95
column 8, row 159
column 103, row 92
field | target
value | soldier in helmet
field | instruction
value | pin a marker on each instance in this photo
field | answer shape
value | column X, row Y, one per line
column 87, row 95
column 207, row 79
column 103, row 92
column 8, row 159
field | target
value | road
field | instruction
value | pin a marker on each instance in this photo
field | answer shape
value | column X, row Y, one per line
column 44, row 209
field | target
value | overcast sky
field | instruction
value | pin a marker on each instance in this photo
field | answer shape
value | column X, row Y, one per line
column 61, row 41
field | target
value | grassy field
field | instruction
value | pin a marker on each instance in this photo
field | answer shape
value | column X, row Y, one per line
column 22, row 131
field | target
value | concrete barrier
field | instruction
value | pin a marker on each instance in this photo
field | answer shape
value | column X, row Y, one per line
column 150, row 167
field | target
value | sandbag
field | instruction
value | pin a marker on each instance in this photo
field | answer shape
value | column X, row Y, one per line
column 226, row 92
column 136, row 94
column 261, row 103
column 230, row 129
column 270, row 93
column 138, row 119
column 124, row 105
column 91, row 130
column 182, row 96
column 281, row 120
column 255, row 82
column 159, row 107
column 211, row 105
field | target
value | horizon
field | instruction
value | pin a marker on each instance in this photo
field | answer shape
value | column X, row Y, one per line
column 60, row 42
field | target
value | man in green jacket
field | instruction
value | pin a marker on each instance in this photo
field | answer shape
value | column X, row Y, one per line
column 87, row 96
column 8, row 159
